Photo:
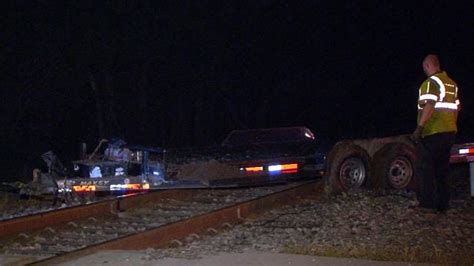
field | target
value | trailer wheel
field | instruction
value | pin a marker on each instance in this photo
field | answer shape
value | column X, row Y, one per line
column 347, row 168
column 394, row 166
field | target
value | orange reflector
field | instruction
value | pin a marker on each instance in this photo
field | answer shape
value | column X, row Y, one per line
column 83, row 188
column 289, row 168
column 254, row 169
column 134, row 186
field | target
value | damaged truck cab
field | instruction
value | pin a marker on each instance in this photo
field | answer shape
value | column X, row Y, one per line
column 120, row 168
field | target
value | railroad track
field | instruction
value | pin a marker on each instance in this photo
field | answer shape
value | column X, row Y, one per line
column 149, row 220
column 12, row 206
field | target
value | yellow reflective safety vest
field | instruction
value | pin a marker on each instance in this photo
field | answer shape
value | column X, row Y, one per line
column 443, row 91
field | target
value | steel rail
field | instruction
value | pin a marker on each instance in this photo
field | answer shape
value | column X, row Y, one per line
column 162, row 236
column 61, row 216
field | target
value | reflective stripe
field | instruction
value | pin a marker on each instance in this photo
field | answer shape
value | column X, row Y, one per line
column 443, row 105
column 420, row 91
column 450, row 106
column 428, row 97
column 442, row 89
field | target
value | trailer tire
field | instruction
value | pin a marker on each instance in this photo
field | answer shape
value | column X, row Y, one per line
column 347, row 168
column 394, row 166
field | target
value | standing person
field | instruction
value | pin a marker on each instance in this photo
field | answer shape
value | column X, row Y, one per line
column 438, row 106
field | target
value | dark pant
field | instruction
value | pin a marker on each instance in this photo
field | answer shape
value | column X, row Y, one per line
column 433, row 170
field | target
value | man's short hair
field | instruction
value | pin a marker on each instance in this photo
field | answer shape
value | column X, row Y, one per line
column 433, row 59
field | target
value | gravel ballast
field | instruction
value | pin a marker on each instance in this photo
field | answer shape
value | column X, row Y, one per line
column 378, row 225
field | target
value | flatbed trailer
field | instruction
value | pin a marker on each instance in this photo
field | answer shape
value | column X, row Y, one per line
column 383, row 163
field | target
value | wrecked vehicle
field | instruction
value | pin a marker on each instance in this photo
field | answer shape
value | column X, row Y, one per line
column 119, row 168
column 245, row 158
column 252, row 157
column 45, row 183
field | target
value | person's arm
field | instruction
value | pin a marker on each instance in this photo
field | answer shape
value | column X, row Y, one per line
column 426, row 113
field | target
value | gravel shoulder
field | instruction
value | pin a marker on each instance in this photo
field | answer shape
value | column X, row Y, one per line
column 368, row 225
column 357, row 228
column 250, row 258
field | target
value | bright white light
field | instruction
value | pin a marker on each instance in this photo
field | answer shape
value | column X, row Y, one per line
column 118, row 187
column 274, row 167
column 463, row 151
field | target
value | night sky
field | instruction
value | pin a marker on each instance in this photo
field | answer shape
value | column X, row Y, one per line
column 180, row 74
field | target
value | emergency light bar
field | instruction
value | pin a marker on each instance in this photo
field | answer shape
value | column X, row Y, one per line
column 272, row 169
column 466, row 151
column 284, row 168
column 116, row 187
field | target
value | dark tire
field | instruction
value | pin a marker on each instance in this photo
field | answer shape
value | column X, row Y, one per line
column 394, row 167
column 347, row 168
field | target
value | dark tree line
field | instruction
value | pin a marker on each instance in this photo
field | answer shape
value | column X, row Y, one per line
column 82, row 71
column 175, row 75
